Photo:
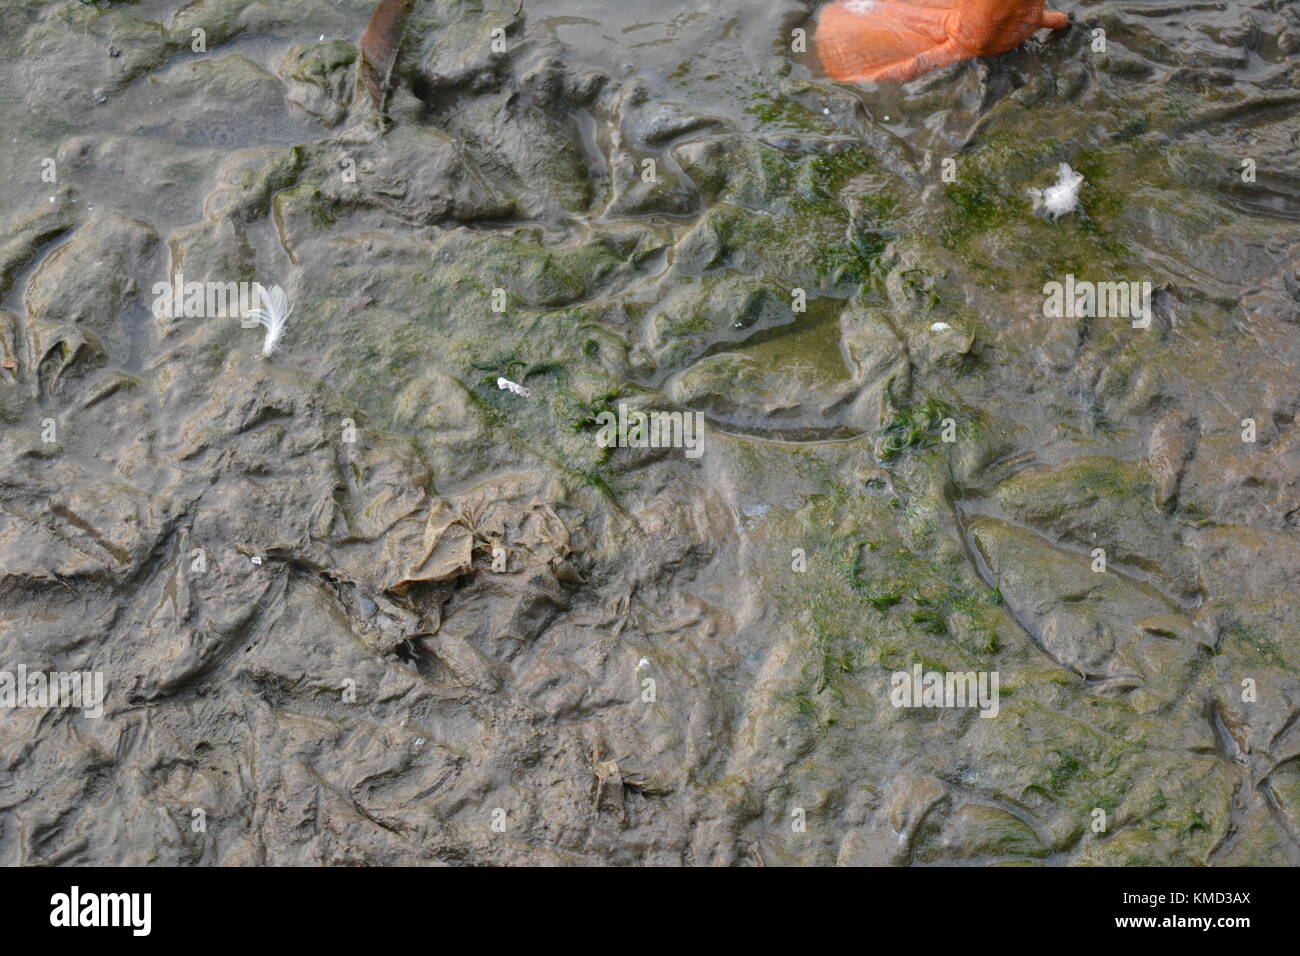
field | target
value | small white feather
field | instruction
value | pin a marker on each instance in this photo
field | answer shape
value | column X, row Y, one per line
column 509, row 386
column 273, row 315
column 1060, row 198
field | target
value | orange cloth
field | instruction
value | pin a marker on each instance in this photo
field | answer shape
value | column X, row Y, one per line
column 898, row 40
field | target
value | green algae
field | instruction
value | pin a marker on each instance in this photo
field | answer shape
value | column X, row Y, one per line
column 914, row 426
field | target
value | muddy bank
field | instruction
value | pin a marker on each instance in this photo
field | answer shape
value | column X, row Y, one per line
column 355, row 603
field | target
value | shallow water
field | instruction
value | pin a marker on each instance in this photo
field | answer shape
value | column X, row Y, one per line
column 918, row 467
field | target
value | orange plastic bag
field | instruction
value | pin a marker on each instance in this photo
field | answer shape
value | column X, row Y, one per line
column 897, row 40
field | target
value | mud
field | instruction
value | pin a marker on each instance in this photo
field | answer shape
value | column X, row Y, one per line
column 355, row 604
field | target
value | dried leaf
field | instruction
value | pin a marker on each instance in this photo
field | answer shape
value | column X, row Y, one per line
column 445, row 551
column 379, row 46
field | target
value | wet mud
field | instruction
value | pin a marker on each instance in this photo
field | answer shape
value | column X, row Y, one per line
column 356, row 603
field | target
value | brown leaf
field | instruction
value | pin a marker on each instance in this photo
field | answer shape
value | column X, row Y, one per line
column 379, row 46
column 445, row 552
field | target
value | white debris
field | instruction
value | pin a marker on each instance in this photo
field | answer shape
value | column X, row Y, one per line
column 509, row 386
column 256, row 560
column 940, row 327
column 1061, row 198
column 272, row 316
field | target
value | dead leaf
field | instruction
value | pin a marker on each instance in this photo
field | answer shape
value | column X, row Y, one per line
column 379, row 47
column 446, row 550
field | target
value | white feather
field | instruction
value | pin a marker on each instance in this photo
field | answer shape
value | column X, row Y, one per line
column 509, row 386
column 272, row 316
column 1060, row 198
